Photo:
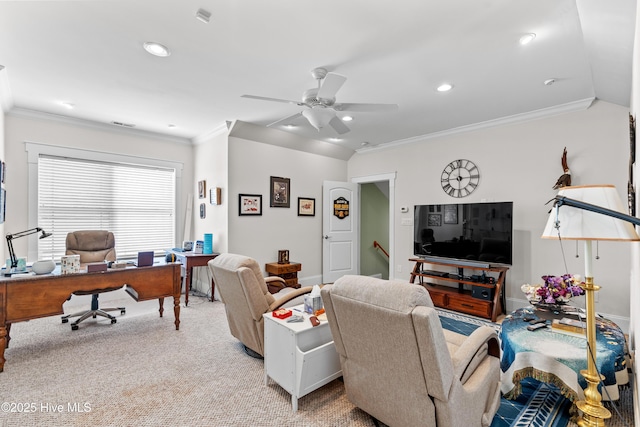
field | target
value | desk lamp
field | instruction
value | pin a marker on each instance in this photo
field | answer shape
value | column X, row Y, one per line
column 12, row 254
column 598, row 215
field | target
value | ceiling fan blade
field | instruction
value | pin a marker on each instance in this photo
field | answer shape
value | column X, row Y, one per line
column 285, row 120
column 338, row 125
column 366, row 108
column 330, row 85
column 263, row 98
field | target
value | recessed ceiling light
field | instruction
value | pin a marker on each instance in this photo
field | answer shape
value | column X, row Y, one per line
column 527, row 38
column 68, row 105
column 334, row 139
column 290, row 126
column 156, row 49
column 347, row 118
column 445, row 87
column 364, row 143
column 549, row 82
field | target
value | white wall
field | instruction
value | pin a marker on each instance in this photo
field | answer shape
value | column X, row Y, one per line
column 634, row 286
column 520, row 163
column 3, row 250
column 20, row 129
column 251, row 164
column 211, row 166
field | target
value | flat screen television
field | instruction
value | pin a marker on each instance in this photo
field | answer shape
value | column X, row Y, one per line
column 468, row 233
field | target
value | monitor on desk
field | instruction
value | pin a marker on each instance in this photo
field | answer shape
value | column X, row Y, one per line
column 145, row 259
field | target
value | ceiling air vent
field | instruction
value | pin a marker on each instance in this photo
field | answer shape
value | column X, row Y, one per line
column 124, row 125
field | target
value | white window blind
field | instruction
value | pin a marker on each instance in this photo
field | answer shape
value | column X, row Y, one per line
column 135, row 202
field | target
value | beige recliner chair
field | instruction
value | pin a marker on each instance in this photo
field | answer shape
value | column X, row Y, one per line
column 246, row 297
column 400, row 366
column 92, row 246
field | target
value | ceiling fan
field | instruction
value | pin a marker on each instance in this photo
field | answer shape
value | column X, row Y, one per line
column 320, row 103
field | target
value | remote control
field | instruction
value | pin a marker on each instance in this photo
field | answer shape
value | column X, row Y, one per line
column 528, row 318
column 536, row 326
column 533, row 322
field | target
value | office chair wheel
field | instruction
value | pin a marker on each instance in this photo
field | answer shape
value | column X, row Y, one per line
column 123, row 311
column 113, row 321
column 65, row 320
column 74, row 327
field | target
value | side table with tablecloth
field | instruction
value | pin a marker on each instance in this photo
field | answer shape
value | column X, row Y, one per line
column 557, row 358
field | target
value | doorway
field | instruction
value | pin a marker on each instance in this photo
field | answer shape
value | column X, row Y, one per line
column 377, row 196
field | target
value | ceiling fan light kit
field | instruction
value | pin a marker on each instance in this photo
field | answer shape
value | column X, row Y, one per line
column 321, row 106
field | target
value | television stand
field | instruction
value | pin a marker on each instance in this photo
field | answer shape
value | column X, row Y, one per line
column 484, row 299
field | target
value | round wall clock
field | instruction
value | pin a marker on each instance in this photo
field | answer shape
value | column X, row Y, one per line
column 460, row 178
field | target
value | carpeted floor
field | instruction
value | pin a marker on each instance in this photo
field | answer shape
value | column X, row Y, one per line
column 141, row 372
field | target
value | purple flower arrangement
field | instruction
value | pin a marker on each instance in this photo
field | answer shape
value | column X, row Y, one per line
column 555, row 289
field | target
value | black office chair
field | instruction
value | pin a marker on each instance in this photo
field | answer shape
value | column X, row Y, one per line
column 92, row 246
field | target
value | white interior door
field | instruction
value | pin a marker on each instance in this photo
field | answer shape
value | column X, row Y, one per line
column 340, row 220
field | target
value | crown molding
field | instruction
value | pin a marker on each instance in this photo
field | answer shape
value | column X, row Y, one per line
column 569, row 107
column 222, row 128
column 33, row 114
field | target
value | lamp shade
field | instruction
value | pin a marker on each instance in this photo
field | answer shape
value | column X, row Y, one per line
column 573, row 223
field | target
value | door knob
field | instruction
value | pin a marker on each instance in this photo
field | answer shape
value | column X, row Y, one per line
column 326, row 237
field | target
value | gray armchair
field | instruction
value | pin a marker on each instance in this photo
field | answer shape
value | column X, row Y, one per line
column 400, row 366
column 246, row 297
column 92, row 246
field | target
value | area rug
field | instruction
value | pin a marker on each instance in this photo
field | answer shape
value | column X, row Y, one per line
column 142, row 372
column 539, row 405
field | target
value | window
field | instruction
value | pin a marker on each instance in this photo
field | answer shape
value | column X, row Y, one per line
column 134, row 201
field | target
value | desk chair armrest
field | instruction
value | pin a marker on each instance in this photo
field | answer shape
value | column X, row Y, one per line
column 275, row 284
column 294, row 293
column 481, row 343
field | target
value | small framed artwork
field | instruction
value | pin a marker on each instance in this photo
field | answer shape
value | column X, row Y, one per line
column 203, row 210
column 434, row 220
column 451, row 214
column 283, row 256
column 306, row 206
column 3, row 204
column 250, row 204
column 280, row 191
column 202, row 189
column 214, row 195
column 2, row 172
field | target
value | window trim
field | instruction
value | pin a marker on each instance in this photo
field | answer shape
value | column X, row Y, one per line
column 35, row 149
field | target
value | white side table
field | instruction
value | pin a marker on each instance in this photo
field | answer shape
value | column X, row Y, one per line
column 299, row 357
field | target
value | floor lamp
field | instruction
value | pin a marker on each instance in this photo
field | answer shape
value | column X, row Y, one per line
column 589, row 213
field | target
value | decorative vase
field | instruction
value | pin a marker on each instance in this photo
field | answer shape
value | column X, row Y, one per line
column 43, row 267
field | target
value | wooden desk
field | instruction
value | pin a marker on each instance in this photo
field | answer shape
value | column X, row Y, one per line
column 31, row 297
column 188, row 261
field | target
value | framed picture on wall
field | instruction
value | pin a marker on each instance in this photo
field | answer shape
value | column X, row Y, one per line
column 306, row 206
column 250, row 204
column 451, row 214
column 202, row 189
column 280, row 192
column 3, row 204
column 434, row 220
